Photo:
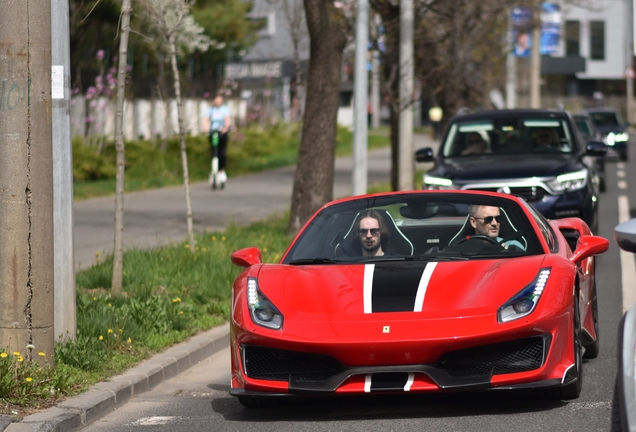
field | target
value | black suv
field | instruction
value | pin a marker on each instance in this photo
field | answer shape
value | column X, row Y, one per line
column 536, row 154
column 612, row 128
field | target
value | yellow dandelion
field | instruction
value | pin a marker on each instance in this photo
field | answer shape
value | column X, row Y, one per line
column 264, row 249
column 213, row 238
column 176, row 300
column 3, row 355
column 110, row 305
column 205, row 249
column 196, row 248
column 262, row 236
column 28, row 379
column 16, row 353
column 129, row 340
column 121, row 330
column 187, row 246
column 110, row 330
column 180, row 312
column 41, row 354
column 101, row 337
column 94, row 298
column 276, row 257
column 223, row 238
column 20, row 358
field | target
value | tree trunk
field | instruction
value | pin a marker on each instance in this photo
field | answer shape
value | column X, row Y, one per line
column 184, row 154
column 313, row 181
column 118, row 252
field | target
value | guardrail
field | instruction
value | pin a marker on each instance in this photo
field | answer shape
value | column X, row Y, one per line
column 625, row 381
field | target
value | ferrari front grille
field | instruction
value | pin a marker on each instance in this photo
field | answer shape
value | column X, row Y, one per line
column 280, row 365
column 509, row 357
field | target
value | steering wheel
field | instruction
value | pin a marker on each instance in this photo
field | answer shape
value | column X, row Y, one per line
column 477, row 237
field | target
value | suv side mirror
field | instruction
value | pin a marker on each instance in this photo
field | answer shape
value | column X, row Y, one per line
column 424, row 155
column 595, row 148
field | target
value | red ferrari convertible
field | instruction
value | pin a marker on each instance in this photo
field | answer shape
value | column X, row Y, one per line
column 419, row 291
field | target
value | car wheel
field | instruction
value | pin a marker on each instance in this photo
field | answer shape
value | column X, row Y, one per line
column 592, row 350
column 573, row 390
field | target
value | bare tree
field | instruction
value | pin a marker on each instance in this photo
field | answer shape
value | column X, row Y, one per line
column 118, row 253
column 177, row 31
column 313, row 182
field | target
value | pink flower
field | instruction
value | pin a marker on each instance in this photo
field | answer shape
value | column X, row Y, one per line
column 100, row 55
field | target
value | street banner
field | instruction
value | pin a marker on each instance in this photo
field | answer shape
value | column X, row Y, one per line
column 522, row 29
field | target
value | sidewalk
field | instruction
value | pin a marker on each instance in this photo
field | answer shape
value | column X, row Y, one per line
column 158, row 216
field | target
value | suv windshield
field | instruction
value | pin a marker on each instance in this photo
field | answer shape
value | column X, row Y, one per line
column 605, row 119
column 508, row 135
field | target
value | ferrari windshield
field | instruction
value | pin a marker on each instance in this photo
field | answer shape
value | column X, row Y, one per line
column 508, row 135
column 410, row 226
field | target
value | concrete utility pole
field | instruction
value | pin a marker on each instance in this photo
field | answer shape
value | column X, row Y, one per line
column 361, row 95
column 64, row 281
column 511, row 68
column 26, row 177
column 375, row 90
column 629, row 55
column 405, row 160
column 535, row 59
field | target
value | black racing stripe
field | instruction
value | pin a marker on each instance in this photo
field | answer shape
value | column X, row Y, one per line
column 395, row 286
column 390, row 381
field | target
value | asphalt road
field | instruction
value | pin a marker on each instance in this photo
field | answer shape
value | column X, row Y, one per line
column 159, row 216
column 198, row 400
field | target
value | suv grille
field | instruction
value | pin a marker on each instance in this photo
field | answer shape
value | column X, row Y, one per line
column 529, row 193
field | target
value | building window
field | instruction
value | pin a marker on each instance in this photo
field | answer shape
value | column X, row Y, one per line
column 266, row 24
column 572, row 41
column 597, row 40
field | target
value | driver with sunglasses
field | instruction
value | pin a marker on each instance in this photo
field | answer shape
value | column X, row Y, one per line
column 372, row 234
column 487, row 221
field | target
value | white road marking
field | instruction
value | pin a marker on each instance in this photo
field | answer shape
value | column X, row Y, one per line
column 154, row 421
column 590, row 405
column 628, row 266
column 620, row 173
column 620, row 165
column 622, row 184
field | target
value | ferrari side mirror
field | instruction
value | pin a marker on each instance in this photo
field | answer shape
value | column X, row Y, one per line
column 587, row 246
column 247, row 257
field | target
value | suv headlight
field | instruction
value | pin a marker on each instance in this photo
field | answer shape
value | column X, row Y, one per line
column 569, row 182
column 437, row 183
column 525, row 301
column 617, row 137
column 263, row 312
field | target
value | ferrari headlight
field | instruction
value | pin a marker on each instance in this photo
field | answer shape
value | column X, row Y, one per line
column 569, row 182
column 437, row 183
column 524, row 302
column 263, row 312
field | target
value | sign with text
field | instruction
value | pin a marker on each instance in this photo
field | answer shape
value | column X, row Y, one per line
column 252, row 70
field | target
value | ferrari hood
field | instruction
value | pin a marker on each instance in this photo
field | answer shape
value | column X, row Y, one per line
column 436, row 289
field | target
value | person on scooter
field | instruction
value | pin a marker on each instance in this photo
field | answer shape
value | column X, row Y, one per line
column 217, row 122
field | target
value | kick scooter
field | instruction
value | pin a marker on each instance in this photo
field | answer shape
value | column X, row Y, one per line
column 214, row 173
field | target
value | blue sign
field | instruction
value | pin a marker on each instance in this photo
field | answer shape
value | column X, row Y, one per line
column 550, row 28
column 522, row 29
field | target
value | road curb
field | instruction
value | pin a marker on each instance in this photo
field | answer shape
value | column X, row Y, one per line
column 104, row 397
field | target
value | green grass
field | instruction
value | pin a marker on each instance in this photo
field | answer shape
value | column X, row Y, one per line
column 169, row 293
column 249, row 150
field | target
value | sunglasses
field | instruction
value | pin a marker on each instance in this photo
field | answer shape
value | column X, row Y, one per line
column 374, row 231
column 488, row 219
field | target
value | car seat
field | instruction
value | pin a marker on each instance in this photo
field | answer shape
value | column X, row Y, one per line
column 507, row 230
